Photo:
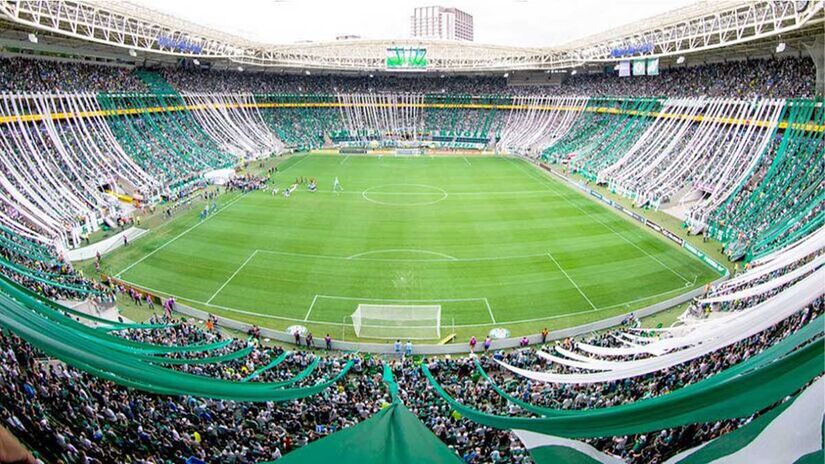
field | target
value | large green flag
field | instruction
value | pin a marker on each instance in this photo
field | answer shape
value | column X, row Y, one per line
column 392, row 435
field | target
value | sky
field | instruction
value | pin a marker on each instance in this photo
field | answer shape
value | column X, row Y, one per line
column 500, row 22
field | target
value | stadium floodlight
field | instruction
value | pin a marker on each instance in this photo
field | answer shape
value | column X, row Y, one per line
column 573, row 73
column 780, row 47
column 197, row 63
column 132, row 53
column 506, row 75
column 413, row 322
column 680, row 60
column 371, row 76
column 307, row 72
column 32, row 38
column 240, row 68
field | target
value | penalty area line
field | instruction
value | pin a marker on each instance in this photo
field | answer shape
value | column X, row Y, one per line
column 309, row 311
column 571, row 280
column 339, row 324
column 544, row 177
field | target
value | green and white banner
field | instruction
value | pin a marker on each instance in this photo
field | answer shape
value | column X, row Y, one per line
column 789, row 433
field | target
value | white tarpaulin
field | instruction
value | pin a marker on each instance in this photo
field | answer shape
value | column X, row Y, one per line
column 219, row 176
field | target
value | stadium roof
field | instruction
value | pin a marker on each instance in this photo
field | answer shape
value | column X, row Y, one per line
column 705, row 27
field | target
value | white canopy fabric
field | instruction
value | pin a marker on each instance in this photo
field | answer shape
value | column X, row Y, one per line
column 569, row 362
column 816, row 237
column 751, row 322
column 808, row 246
column 769, row 285
column 580, row 357
column 577, row 360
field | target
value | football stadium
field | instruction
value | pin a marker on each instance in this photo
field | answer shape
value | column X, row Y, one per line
column 483, row 232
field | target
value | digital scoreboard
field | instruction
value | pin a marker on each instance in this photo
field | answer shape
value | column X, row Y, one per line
column 406, row 59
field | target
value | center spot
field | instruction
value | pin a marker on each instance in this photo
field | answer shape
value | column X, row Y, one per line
column 404, row 194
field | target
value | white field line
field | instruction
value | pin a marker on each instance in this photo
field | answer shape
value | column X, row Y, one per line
column 570, row 279
column 358, row 257
column 170, row 241
column 457, row 194
column 404, row 250
column 490, row 310
column 400, row 300
column 547, row 185
column 296, row 164
column 252, row 255
column 339, row 324
column 344, row 160
column 447, row 258
column 466, row 161
column 309, row 311
column 196, row 225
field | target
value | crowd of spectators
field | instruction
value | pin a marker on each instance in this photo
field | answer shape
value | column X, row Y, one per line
column 39, row 268
column 785, row 77
column 69, row 415
column 764, row 78
column 787, row 182
column 789, row 77
column 39, row 75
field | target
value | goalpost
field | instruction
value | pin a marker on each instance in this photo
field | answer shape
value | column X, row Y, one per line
column 413, row 322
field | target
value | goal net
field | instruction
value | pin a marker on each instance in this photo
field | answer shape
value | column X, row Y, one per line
column 415, row 322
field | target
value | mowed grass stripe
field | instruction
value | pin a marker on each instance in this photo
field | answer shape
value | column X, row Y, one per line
column 500, row 242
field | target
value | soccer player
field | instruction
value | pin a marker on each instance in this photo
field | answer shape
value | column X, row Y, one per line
column 337, row 186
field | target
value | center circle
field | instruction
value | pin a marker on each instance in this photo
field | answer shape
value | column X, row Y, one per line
column 405, row 194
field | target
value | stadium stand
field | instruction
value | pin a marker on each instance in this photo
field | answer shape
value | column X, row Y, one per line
column 733, row 149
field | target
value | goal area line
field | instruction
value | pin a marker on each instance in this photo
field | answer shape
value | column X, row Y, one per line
column 399, row 302
column 248, row 312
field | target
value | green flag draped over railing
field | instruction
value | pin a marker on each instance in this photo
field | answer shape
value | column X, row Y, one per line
column 123, row 361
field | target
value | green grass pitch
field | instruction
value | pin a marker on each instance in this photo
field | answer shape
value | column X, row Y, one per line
column 493, row 240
